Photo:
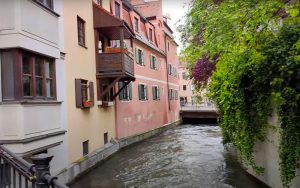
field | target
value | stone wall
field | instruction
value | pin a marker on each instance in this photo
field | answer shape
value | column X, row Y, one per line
column 266, row 155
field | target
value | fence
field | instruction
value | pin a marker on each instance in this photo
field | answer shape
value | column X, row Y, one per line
column 15, row 172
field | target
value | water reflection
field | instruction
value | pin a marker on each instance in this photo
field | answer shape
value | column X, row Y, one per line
column 187, row 156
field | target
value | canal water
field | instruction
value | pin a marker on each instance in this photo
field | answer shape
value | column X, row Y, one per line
column 187, row 156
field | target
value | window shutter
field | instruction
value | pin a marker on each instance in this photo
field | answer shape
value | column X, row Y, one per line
column 153, row 92
column 91, row 89
column 137, row 55
column 158, row 93
column 146, row 93
column 140, row 92
column 130, row 91
column 78, row 93
column 120, row 84
column 151, row 62
column 143, row 58
column 155, row 63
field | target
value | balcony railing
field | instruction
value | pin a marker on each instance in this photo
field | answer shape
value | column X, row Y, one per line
column 117, row 64
column 16, row 172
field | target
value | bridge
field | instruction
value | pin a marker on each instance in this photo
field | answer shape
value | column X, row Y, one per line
column 199, row 113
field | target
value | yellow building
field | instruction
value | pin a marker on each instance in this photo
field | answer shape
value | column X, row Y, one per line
column 89, row 127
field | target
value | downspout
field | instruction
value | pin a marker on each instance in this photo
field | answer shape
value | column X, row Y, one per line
column 168, row 87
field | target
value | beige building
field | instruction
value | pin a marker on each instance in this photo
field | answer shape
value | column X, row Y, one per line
column 90, row 126
column 186, row 86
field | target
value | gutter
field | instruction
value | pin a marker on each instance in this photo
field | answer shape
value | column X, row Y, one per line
column 168, row 87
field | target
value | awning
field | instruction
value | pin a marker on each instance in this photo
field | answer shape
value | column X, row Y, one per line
column 109, row 25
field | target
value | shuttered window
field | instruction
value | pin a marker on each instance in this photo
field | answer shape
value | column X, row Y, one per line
column 171, row 94
column 139, row 57
column 155, row 93
column 153, row 62
column 126, row 93
column 84, row 92
column 143, row 92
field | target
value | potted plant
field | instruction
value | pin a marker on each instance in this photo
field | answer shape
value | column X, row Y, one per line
column 87, row 104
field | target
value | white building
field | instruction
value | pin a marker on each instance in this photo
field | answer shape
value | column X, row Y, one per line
column 32, row 81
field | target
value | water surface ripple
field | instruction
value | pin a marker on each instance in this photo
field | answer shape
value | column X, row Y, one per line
column 185, row 157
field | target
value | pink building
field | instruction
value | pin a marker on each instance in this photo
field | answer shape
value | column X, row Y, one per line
column 186, row 94
column 151, row 101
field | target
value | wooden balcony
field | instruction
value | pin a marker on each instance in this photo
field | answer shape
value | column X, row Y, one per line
column 112, row 65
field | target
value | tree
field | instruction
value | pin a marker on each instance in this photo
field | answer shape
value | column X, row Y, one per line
column 257, row 45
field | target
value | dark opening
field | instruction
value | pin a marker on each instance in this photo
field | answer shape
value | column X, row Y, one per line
column 85, row 148
column 105, row 138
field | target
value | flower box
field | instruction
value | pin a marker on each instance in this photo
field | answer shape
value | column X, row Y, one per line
column 87, row 104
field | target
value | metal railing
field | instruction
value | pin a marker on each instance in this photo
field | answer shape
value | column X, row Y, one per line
column 207, row 106
column 15, row 172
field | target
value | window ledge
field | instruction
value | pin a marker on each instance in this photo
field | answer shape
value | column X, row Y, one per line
column 107, row 103
column 83, row 46
column 46, row 8
column 29, row 102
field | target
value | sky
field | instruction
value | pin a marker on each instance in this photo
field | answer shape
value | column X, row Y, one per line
column 177, row 9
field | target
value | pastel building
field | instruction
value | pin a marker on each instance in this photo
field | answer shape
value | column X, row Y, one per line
column 32, row 81
column 186, row 94
column 151, row 100
column 90, row 125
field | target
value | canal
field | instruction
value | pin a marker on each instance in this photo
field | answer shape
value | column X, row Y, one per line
column 186, row 156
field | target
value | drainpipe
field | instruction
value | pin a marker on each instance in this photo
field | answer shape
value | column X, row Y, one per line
column 166, row 49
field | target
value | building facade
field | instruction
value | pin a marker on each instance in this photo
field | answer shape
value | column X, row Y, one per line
column 186, row 94
column 90, row 125
column 150, row 101
column 76, row 76
column 32, row 87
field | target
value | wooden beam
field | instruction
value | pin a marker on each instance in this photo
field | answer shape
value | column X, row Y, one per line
column 121, row 89
column 107, row 89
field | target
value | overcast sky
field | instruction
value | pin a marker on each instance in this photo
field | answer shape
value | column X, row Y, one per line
column 177, row 9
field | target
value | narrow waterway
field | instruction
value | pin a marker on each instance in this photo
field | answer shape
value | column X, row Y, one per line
column 187, row 156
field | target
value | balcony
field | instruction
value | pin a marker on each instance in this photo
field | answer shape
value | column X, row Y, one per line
column 116, row 64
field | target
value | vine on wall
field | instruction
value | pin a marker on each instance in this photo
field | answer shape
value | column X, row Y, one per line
column 258, row 69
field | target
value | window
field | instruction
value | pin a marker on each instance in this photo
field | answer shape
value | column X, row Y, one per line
column 126, row 93
column 153, row 62
column 143, row 92
column 156, row 93
column 85, row 148
column 99, row 2
column 169, row 69
column 184, row 87
column 105, row 138
column 184, row 76
column 176, row 95
column 171, row 94
column 84, row 92
column 168, row 46
column 46, row 3
column 27, row 76
column 117, row 10
column 81, row 31
column 150, row 34
column 139, row 56
column 136, row 24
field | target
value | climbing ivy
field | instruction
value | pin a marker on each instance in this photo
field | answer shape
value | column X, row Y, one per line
column 257, row 71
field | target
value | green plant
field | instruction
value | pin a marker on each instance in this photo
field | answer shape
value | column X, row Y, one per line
column 258, row 69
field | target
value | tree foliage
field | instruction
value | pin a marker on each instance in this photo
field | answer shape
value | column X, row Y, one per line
column 258, row 70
